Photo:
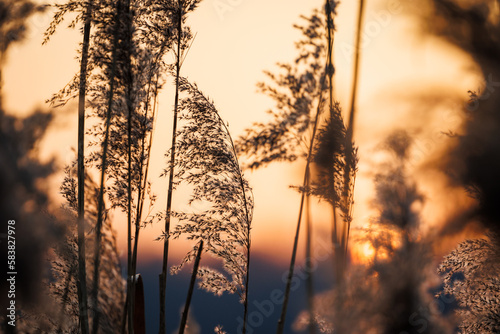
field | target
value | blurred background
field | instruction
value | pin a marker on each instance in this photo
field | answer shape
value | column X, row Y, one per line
column 409, row 79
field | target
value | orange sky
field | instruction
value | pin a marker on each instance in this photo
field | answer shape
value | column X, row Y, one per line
column 399, row 70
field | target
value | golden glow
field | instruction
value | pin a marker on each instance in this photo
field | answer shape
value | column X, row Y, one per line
column 226, row 60
column 362, row 253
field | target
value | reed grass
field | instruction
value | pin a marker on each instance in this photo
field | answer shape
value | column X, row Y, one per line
column 282, row 319
column 206, row 159
column 82, row 268
column 163, row 275
column 100, row 210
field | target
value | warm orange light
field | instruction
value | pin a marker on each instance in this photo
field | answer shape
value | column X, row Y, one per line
column 391, row 78
column 362, row 253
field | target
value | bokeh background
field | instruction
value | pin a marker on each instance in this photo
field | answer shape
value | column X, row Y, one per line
column 409, row 80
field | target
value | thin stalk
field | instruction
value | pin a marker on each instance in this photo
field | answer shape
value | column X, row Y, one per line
column 82, row 268
column 247, row 279
column 354, row 89
column 281, row 321
column 143, row 176
column 331, row 70
column 148, row 155
column 142, row 182
column 134, row 262
column 140, row 200
column 182, row 326
column 348, row 185
column 130, row 271
column 144, row 167
column 97, row 258
column 129, row 220
column 163, row 275
column 309, row 278
column 336, row 243
column 247, row 217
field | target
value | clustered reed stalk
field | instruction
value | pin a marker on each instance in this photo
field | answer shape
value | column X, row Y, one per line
column 126, row 160
column 281, row 321
column 100, row 210
column 297, row 92
column 119, row 82
column 298, row 120
column 328, row 72
column 206, row 158
column 309, row 231
column 114, row 59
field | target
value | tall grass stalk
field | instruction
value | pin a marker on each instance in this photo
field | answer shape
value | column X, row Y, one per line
column 306, row 189
column 281, row 321
column 248, row 225
column 331, row 69
column 184, row 318
column 163, row 275
column 82, row 268
column 247, row 240
column 100, row 210
column 207, row 160
column 308, row 260
column 349, row 137
column 330, row 30
column 128, row 98
column 143, row 179
column 144, row 161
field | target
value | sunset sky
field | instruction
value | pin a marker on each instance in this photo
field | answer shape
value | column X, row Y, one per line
column 409, row 79
column 403, row 75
